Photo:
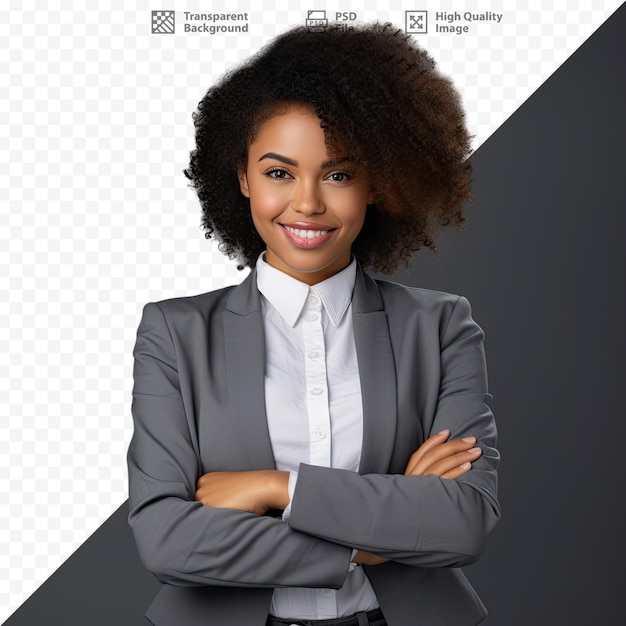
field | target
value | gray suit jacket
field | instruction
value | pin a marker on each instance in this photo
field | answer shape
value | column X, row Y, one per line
column 198, row 406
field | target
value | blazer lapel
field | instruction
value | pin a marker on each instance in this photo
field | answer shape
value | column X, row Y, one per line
column 377, row 373
column 245, row 362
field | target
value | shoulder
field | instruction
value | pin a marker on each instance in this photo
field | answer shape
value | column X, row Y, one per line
column 197, row 302
column 184, row 310
column 413, row 311
column 405, row 305
column 412, row 298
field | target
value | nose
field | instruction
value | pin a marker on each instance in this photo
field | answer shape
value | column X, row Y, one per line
column 306, row 198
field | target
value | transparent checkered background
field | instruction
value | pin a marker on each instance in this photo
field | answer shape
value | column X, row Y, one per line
column 97, row 220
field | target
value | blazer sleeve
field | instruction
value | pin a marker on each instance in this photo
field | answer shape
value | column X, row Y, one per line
column 182, row 541
column 422, row 521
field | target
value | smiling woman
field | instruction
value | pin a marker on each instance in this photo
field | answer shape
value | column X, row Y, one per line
column 375, row 93
column 313, row 446
column 306, row 206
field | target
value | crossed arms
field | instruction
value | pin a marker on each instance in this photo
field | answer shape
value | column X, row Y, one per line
column 197, row 530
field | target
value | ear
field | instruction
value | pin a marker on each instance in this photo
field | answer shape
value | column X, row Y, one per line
column 243, row 182
column 371, row 198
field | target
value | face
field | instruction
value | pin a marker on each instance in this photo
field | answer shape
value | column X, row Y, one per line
column 307, row 206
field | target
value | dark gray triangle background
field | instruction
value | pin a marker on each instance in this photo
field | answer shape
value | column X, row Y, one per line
column 542, row 263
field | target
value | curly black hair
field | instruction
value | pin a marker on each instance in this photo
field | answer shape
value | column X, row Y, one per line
column 378, row 94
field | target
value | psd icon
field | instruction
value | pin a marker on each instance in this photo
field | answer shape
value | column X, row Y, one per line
column 316, row 21
column 416, row 22
column 163, row 22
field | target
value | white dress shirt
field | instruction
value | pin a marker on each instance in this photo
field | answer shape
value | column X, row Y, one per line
column 314, row 407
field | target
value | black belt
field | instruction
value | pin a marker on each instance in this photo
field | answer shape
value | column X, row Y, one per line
column 369, row 618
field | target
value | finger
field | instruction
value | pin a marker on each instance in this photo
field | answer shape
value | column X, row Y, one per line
column 426, row 454
column 457, row 471
column 451, row 462
column 447, row 449
column 431, row 442
column 205, row 478
column 211, row 477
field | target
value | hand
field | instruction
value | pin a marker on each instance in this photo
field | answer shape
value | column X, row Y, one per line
column 367, row 558
column 255, row 491
column 446, row 459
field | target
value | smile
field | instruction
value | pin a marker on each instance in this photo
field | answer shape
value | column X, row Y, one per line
column 306, row 237
column 306, row 234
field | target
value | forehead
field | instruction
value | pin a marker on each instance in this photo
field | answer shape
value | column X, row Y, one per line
column 293, row 118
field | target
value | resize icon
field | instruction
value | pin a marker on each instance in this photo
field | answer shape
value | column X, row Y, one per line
column 416, row 22
column 163, row 22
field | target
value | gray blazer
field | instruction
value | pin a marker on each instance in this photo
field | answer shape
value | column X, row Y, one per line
column 198, row 406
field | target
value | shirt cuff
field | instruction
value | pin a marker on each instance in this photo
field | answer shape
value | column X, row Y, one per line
column 291, row 487
column 352, row 565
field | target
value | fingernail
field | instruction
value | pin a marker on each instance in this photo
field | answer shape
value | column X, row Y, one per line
column 473, row 450
column 444, row 432
column 465, row 465
column 469, row 439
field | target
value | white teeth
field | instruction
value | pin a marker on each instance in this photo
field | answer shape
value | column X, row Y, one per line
column 306, row 234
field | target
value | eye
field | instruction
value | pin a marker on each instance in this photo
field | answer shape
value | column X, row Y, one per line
column 339, row 177
column 277, row 173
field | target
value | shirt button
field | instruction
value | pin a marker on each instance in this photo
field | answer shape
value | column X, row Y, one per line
column 320, row 432
column 312, row 300
column 313, row 355
column 314, row 317
column 317, row 391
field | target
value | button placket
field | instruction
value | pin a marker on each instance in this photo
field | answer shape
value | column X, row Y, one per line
column 326, row 600
column 318, row 411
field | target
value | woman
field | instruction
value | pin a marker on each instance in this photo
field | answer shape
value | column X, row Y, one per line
column 314, row 446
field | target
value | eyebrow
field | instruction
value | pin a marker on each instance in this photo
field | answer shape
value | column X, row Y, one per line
column 294, row 163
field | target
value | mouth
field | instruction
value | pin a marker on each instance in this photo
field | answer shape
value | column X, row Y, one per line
column 309, row 237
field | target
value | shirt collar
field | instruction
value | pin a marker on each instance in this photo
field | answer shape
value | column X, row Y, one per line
column 288, row 295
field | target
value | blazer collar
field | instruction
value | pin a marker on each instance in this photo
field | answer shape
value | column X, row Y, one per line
column 245, row 362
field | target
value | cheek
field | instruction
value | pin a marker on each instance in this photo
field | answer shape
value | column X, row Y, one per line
column 354, row 210
column 359, row 219
column 266, row 202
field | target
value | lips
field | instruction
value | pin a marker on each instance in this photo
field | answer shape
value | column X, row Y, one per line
column 307, row 235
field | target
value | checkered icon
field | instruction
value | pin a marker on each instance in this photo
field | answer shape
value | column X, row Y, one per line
column 163, row 21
